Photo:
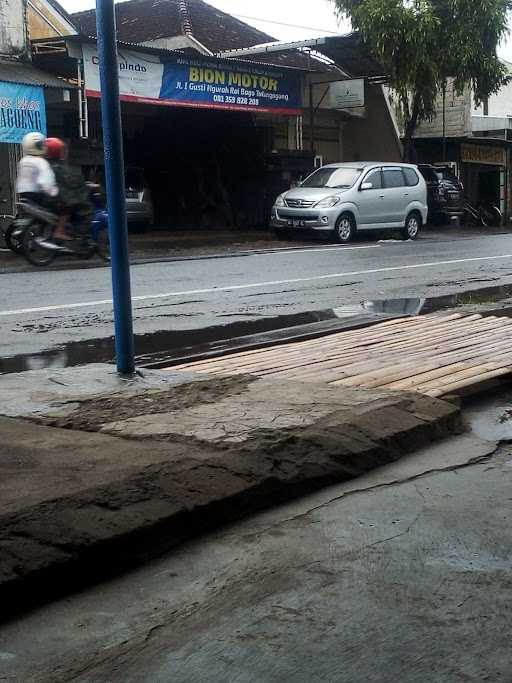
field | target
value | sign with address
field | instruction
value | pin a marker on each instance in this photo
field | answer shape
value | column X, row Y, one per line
column 347, row 94
column 481, row 154
column 22, row 111
column 198, row 83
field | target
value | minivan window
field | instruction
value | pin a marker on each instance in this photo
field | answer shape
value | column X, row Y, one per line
column 411, row 177
column 333, row 177
column 375, row 178
column 428, row 174
column 393, row 177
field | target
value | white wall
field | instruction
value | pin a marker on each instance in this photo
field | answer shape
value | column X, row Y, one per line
column 499, row 104
column 13, row 34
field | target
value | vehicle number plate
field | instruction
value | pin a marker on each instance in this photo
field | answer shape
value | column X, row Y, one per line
column 296, row 223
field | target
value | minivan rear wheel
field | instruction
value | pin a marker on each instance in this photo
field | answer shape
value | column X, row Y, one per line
column 412, row 226
column 345, row 228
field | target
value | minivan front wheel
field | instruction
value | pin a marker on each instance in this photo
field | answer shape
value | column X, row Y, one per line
column 345, row 228
column 412, row 226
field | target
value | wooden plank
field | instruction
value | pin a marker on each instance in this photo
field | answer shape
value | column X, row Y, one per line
column 429, row 354
column 366, row 363
column 439, row 374
column 360, row 334
column 395, row 371
column 464, row 375
column 474, row 381
column 418, row 350
column 286, row 358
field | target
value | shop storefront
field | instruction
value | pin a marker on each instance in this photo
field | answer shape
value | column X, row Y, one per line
column 483, row 170
column 22, row 110
column 481, row 163
column 216, row 138
column 201, row 131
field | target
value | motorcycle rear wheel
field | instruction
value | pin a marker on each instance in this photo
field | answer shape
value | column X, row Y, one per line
column 33, row 252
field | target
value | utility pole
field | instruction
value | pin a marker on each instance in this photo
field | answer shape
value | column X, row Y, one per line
column 114, row 175
column 444, row 119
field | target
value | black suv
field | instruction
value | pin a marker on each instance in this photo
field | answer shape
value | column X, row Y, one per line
column 445, row 192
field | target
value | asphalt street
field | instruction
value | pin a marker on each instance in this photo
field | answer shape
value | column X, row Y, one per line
column 47, row 309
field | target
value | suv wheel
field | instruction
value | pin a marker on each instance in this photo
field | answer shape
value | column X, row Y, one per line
column 345, row 228
column 412, row 226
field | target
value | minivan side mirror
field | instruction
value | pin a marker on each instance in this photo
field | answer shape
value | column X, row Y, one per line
column 366, row 186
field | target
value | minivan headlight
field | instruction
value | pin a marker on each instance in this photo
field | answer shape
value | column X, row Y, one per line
column 327, row 202
column 280, row 201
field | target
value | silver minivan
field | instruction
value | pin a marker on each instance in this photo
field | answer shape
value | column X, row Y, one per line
column 354, row 196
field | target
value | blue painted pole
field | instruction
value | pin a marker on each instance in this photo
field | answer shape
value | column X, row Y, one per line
column 114, row 175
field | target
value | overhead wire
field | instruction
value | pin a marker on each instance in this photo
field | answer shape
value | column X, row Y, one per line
column 282, row 23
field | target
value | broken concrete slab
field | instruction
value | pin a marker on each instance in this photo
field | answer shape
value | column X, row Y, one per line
column 244, row 410
column 110, row 479
column 27, row 393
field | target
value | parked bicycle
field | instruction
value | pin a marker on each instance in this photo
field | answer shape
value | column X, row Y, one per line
column 485, row 214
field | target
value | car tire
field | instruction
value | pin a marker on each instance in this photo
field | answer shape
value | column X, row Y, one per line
column 412, row 226
column 345, row 229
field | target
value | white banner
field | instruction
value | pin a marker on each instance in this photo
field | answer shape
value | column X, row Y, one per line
column 347, row 94
column 140, row 75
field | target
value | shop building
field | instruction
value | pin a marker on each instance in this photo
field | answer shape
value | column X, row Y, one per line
column 218, row 117
column 476, row 141
column 30, row 99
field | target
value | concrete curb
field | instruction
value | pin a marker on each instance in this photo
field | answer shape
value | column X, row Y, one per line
column 65, row 542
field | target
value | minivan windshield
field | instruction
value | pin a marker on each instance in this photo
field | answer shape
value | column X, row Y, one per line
column 333, row 177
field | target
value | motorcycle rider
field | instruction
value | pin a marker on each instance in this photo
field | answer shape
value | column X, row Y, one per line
column 36, row 179
column 73, row 204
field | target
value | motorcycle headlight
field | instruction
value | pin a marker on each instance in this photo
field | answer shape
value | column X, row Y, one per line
column 280, row 201
column 327, row 202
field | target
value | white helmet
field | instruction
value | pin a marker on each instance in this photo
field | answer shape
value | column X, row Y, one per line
column 34, row 144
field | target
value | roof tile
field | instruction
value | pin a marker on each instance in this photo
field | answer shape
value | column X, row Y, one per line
column 139, row 21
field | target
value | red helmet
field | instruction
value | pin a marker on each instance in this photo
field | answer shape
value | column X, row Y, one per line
column 55, row 148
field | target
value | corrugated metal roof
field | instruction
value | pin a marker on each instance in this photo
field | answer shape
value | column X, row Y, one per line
column 349, row 53
column 165, row 52
column 139, row 21
column 18, row 72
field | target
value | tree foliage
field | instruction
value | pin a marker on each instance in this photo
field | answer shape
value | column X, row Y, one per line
column 422, row 43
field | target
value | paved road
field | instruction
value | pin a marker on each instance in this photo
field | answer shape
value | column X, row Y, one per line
column 47, row 309
column 389, row 578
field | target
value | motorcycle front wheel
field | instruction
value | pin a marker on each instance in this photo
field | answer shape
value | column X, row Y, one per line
column 36, row 254
column 14, row 243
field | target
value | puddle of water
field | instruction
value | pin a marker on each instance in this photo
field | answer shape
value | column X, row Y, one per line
column 167, row 347
column 150, row 347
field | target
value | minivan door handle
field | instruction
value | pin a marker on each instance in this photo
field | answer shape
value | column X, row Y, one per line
column 382, row 196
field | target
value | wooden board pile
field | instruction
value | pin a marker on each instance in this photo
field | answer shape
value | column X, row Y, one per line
column 436, row 355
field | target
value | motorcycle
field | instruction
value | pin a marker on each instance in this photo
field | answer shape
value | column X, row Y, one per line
column 13, row 239
column 6, row 233
column 34, row 226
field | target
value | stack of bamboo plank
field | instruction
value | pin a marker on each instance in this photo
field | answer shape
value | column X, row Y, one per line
column 436, row 354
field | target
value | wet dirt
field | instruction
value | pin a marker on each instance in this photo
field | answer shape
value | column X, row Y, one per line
column 91, row 414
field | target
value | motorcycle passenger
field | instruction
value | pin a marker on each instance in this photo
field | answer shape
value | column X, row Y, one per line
column 36, row 179
column 74, row 205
